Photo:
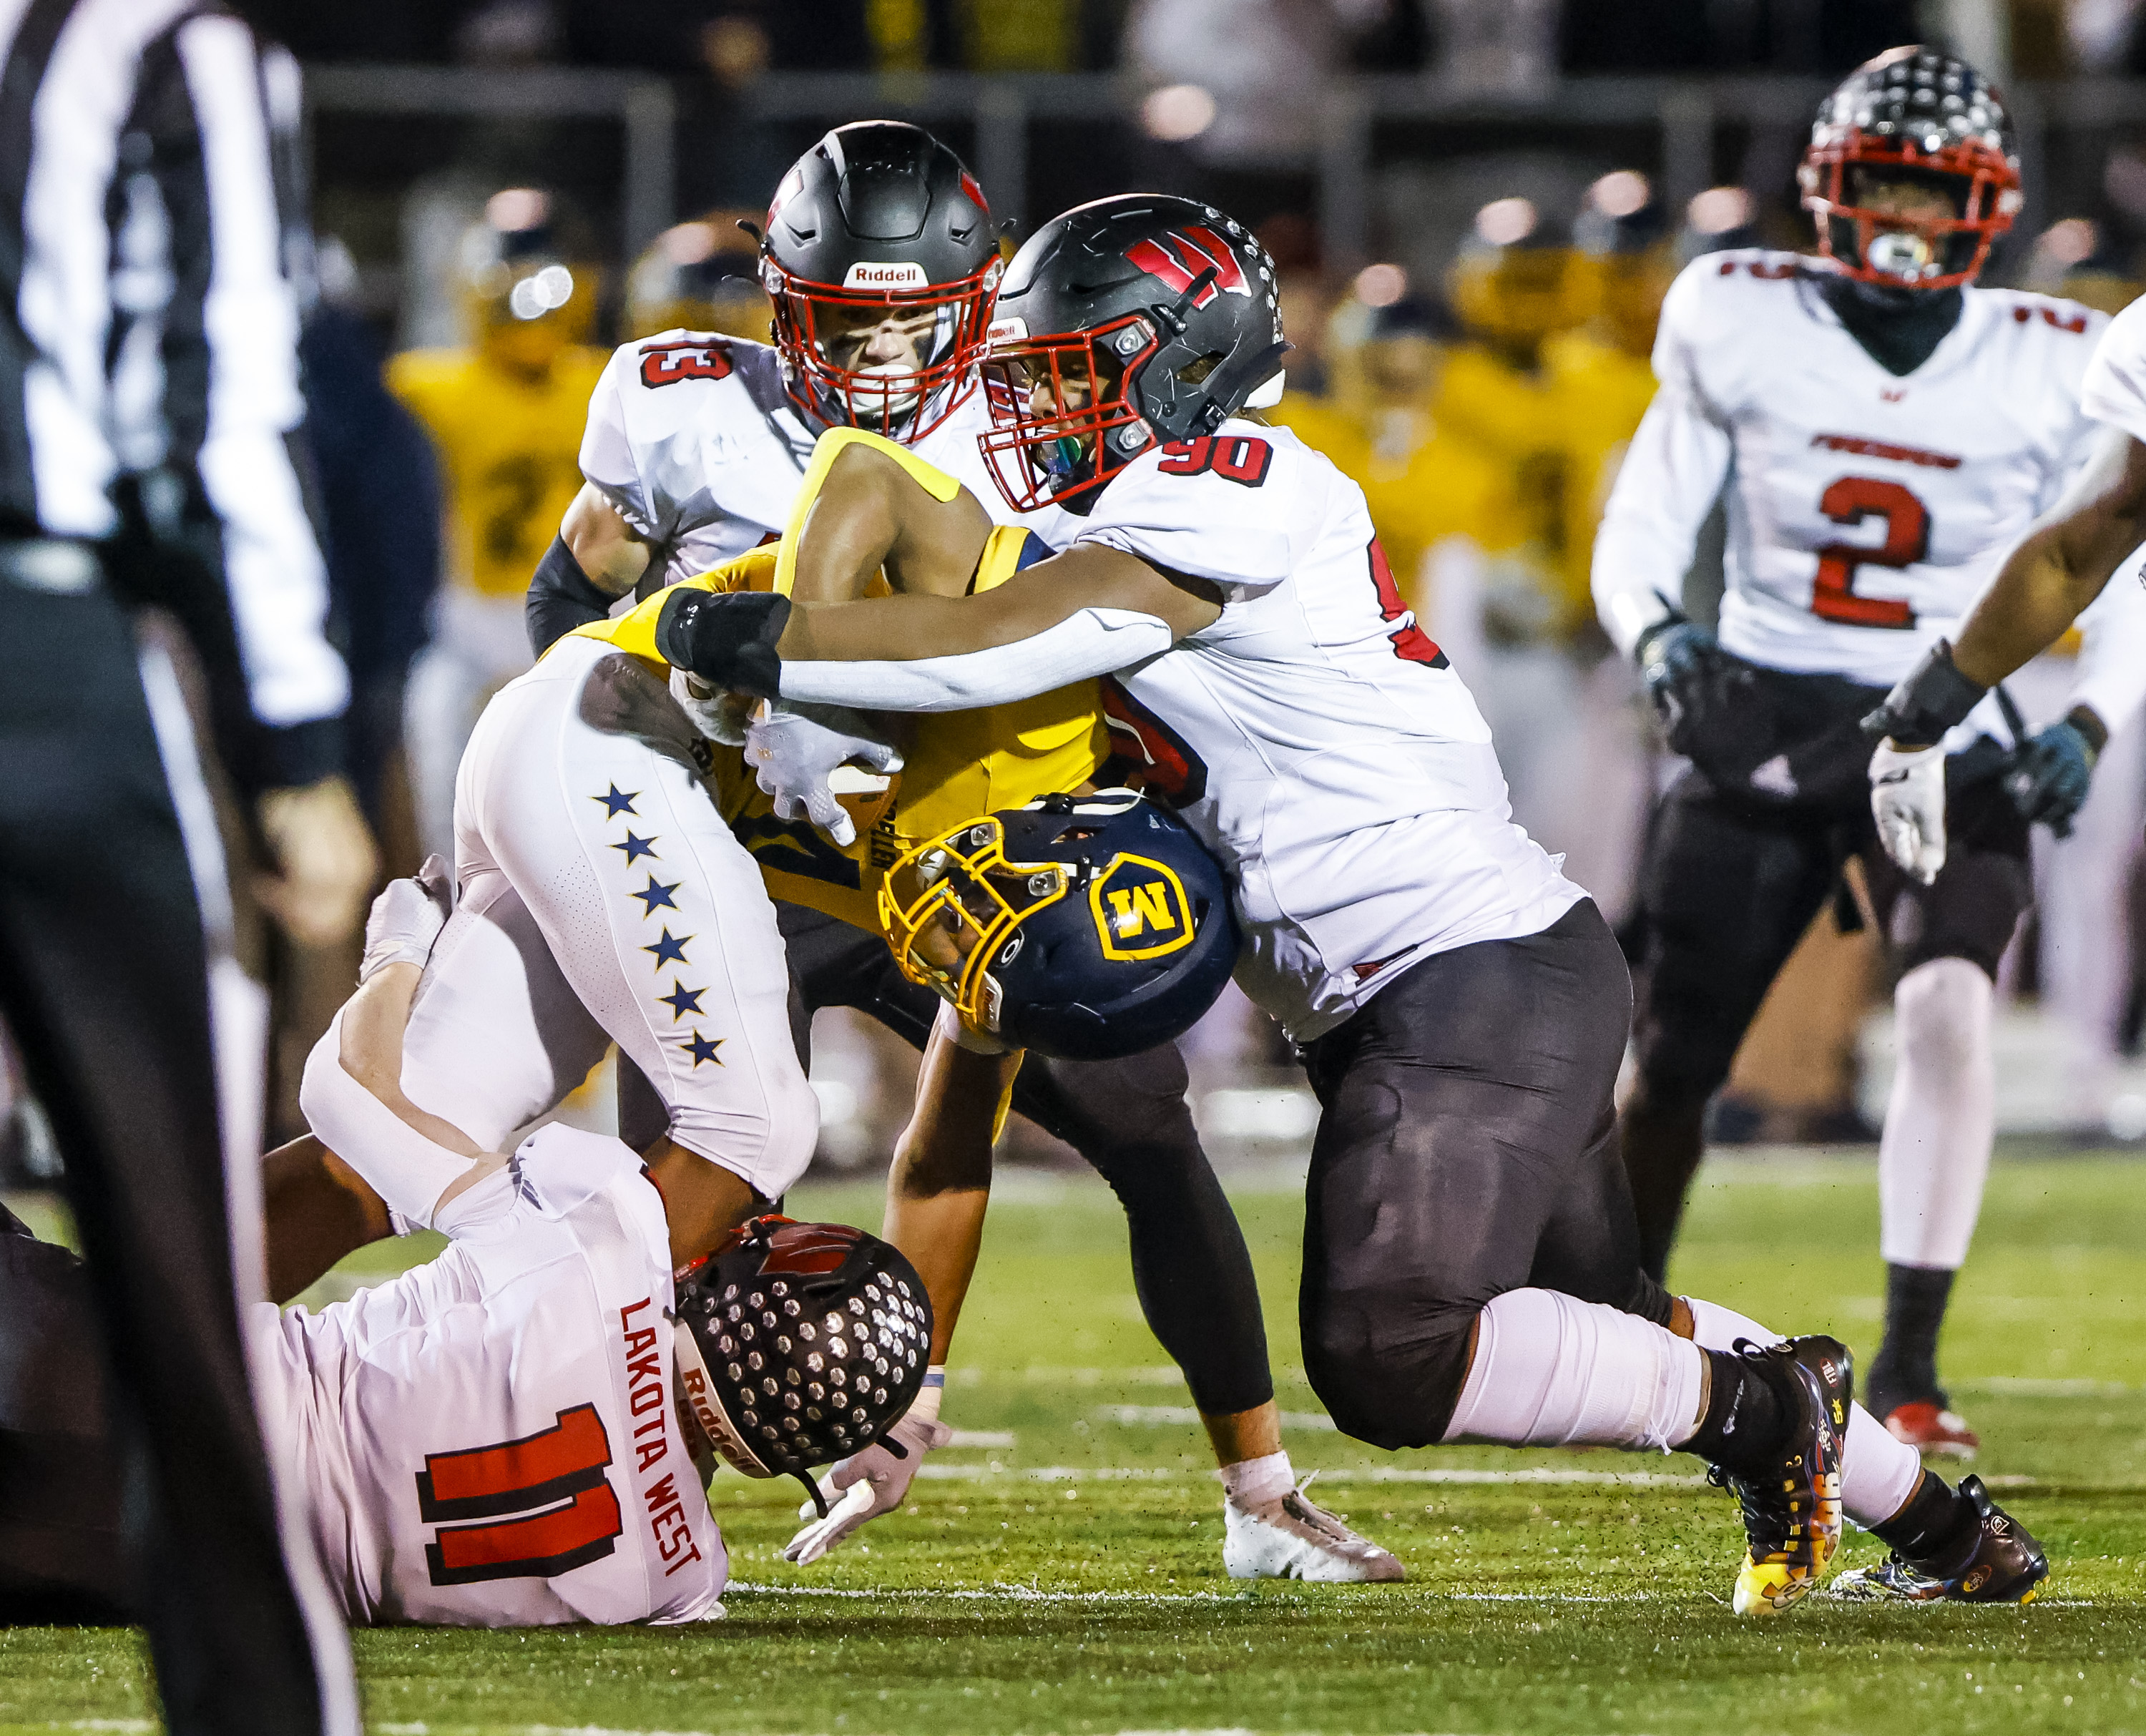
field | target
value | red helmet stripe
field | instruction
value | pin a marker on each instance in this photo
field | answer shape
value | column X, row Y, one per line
column 1157, row 258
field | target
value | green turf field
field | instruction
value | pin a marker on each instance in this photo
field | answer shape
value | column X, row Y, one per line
column 1060, row 1569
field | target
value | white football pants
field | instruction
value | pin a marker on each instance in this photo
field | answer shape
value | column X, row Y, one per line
column 602, row 896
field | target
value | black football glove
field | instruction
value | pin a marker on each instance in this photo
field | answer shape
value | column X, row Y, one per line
column 1676, row 658
column 726, row 639
column 1927, row 701
column 2051, row 774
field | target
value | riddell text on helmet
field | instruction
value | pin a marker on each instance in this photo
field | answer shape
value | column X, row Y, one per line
column 904, row 274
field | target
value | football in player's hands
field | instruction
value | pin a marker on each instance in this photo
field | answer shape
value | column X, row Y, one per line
column 1907, row 801
column 407, row 918
column 866, row 1485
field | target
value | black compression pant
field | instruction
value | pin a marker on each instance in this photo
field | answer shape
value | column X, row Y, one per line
column 1727, row 888
column 103, row 982
column 1467, row 1148
column 1127, row 1118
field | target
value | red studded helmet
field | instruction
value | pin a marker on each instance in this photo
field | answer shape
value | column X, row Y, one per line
column 880, row 222
column 1916, row 114
column 798, row 1343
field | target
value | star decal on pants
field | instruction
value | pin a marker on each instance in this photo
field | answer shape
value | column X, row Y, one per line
column 654, row 896
column 681, row 999
column 615, row 804
column 668, row 950
column 635, row 848
column 703, row 1049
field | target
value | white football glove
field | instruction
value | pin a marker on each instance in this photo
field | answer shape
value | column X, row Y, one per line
column 408, row 917
column 1907, row 800
column 793, row 753
column 719, row 715
column 868, row 1484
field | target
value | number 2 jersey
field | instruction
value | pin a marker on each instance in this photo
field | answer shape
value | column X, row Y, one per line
column 1867, row 509
column 492, row 1439
column 1313, row 737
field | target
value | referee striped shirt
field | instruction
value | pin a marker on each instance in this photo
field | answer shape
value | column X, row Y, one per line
column 148, row 372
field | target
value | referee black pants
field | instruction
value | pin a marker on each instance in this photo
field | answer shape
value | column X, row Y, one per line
column 1129, row 1120
column 104, row 982
column 1467, row 1147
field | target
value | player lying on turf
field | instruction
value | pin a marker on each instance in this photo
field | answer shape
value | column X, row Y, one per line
column 1471, row 1267
column 2046, row 583
column 519, row 1432
column 1876, row 388
column 694, row 453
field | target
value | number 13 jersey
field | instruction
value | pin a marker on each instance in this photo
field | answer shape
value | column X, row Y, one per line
column 1867, row 509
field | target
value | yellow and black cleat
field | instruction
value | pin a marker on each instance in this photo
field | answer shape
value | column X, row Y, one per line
column 1792, row 1514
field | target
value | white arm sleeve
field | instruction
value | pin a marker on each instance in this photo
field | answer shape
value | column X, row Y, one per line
column 1668, row 484
column 1096, row 641
column 2112, row 665
column 406, row 1170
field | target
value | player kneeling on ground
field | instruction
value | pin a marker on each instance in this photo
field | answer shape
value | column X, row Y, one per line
column 1471, row 1267
column 518, row 1432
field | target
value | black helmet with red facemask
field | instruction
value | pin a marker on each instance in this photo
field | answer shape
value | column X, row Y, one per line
column 1124, row 323
column 1918, row 115
column 881, row 258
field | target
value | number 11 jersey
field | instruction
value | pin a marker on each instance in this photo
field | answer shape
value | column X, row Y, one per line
column 1866, row 510
column 492, row 1438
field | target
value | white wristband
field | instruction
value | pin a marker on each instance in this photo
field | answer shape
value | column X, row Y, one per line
column 926, row 1404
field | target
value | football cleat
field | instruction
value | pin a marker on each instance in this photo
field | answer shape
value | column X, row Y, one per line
column 1931, row 1428
column 1792, row 1508
column 1292, row 1538
column 2002, row 1563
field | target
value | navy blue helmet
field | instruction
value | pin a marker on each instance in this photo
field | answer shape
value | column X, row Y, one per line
column 1089, row 927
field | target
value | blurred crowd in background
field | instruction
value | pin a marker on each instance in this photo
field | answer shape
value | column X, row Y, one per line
column 1476, row 358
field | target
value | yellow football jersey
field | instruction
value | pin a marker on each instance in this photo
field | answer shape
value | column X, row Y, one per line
column 958, row 764
column 510, row 454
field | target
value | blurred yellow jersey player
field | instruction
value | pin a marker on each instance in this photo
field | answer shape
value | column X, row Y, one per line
column 703, row 275
column 1601, row 376
column 505, row 411
column 1423, row 481
column 957, row 764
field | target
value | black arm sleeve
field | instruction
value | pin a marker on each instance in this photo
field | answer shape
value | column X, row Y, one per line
column 562, row 598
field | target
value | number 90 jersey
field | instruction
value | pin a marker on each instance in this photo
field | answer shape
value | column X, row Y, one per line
column 1313, row 736
column 492, row 1439
column 1867, row 509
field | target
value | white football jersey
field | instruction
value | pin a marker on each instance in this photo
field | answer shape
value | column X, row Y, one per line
column 1313, row 737
column 492, row 1439
column 1868, row 509
column 694, row 441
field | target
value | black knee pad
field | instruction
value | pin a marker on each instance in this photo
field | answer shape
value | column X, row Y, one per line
column 1381, row 1387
